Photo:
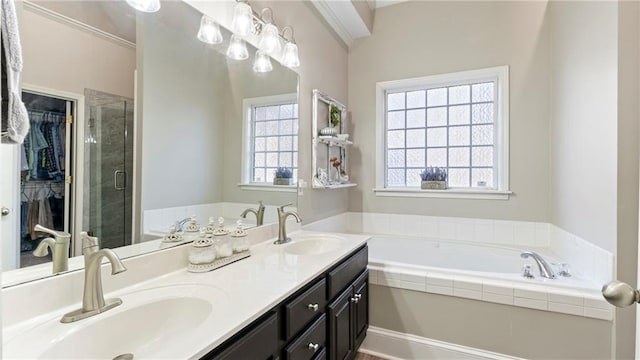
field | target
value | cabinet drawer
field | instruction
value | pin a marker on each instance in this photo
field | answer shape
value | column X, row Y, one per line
column 260, row 343
column 342, row 276
column 310, row 343
column 304, row 308
column 322, row 355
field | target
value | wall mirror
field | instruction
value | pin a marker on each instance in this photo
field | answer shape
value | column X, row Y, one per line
column 136, row 124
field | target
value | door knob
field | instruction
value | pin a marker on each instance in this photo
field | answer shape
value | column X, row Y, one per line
column 5, row 211
column 620, row 294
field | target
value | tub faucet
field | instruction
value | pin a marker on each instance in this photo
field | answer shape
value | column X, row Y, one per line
column 282, row 224
column 180, row 224
column 93, row 302
column 59, row 246
column 544, row 267
column 259, row 212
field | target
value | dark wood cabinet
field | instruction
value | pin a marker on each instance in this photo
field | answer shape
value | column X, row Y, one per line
column 304, row 327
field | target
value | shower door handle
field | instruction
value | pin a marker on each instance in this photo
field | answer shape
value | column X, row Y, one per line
column 115, row 180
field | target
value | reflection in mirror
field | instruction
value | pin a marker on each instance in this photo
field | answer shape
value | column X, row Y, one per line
column 136, row 124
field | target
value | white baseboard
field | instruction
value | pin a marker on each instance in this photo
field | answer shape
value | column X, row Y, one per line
column 395, row 345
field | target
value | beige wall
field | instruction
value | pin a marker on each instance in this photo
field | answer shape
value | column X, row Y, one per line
column 61, row 57
column 181, row 116
column 584, row 120
column 510, row 330
column 423, row 38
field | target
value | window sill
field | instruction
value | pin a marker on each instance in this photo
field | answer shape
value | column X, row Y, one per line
column 444, row 194
column 269, row 187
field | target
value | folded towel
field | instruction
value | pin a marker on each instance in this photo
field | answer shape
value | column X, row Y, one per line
column 15, row 122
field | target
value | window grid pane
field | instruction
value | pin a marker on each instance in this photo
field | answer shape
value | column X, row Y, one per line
column 448, row 126
column 275, row 139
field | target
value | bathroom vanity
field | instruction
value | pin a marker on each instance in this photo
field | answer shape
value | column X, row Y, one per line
column 326, row 319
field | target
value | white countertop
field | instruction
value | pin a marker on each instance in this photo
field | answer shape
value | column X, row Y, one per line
column 248, row 289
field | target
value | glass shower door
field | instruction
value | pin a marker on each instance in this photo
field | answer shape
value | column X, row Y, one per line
column 108, row 169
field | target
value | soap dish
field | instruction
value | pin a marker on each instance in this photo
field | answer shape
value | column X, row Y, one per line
column 201, row 268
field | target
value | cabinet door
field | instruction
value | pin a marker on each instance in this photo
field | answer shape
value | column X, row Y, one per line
column 259, row 343
column 341, row 337
column 361, row 312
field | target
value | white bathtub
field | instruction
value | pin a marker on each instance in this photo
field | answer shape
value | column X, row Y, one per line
column 490, row 273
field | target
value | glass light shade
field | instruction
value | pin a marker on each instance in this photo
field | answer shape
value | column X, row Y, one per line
column 290, row 55
column 242, row 19
column 237, row 48
column 209, row 31
column 269, row 39
column 145, row 5
column 262, row 62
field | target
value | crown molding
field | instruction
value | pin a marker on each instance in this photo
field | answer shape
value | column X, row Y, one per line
column 343, row 17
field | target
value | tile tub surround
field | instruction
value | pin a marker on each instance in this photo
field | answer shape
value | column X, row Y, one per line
column 583, row 257
column 253, row 285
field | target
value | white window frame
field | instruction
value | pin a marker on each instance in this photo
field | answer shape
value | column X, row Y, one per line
column 500, row 75
column 247, row 107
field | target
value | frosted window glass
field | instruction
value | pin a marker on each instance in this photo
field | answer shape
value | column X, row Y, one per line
column 459, row 136
column 270, row 173
column 286, row 143
column 285, row 159
column 482, row 92
column 482, row 113
column 483, row 135
column 459, row 115
column 459, row 157
column 416, row 118
column 259, row 160
column 258, row 175
column 261, row 113
column 413, row 177
column 273, row 112
column 272, row 143
column 286, row 127
column 415, row 138
column 295, row 161
column 395, row 177
column 416, row 99
column 437, row 97
column 395, row 101
column 286, row 111
column 459, row 94
column 458, row 177
column 272, row 159
column 261, row 129
column 272, row 127
column 395, row 120
column 260, row 144
column 295, row 111
column 485, row 175
column 395, row 158
column 482, row 156
column 395, row 139
column 415, row 158
column 436, row 157
column 437, row 137
column 437, row 116
column 295, row 142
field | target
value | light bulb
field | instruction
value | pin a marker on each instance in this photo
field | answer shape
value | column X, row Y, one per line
column 290, row 55
column 262, row 62
column 209, row 31
column 242, row 19
column 148, row 6
column 237, row 48
column 269, row 39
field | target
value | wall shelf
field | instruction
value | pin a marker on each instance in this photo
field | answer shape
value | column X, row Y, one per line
column 326, row 148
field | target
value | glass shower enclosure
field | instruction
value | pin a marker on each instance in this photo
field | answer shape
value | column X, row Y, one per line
column 108, row 168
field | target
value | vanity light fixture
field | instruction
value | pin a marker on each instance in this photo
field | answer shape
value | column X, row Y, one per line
column 242, row 21
column 237, row 48
column 269, row 35
column 148, row 6
column 262, row 62
column 290, row 53
column 209, row 31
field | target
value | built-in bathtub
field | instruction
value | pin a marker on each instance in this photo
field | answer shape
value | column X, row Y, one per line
column 482, row 272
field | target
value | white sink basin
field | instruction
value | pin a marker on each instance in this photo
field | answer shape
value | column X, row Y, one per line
column 160, row 322
column 314, row 244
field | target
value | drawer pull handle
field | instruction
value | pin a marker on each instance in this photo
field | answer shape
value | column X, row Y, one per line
column 314, row 347
column 355, row 299
column 313, row 307
column 358, row 296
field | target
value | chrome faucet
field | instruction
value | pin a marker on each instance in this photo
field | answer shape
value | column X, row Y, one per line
column 93, row 302
column 259, row 212
column 180, row 224
column 544, row 267
column 59, row 246
column 282, row 224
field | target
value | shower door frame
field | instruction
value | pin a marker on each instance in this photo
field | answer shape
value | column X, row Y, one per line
column 75, row 161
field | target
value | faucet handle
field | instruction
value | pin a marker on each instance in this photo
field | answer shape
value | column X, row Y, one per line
column 55, row 233
column 281, row 207
column 88, row 241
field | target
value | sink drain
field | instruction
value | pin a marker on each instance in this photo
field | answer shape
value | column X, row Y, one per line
column 124, row 357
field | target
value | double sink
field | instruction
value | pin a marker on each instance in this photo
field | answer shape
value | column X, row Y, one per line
column 166, row 321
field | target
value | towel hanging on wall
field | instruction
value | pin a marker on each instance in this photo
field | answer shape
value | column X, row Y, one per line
column 14, row 117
